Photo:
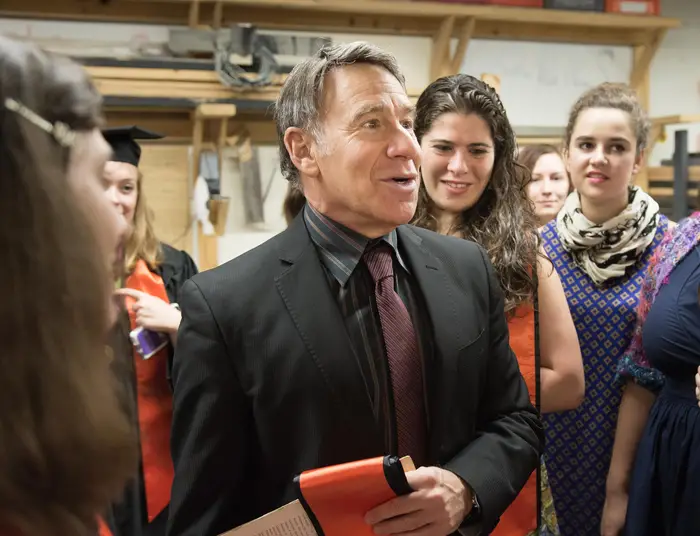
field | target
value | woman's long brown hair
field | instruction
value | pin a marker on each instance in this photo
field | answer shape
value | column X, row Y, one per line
column 66, row 448
column 503, row 220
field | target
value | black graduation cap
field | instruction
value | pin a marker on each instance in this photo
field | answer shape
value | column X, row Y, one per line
column 124, row 146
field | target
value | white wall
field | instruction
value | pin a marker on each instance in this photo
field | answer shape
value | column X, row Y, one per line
column 540, row 82
column 675, row 75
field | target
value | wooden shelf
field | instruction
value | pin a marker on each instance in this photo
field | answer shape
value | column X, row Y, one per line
column 419, row 18
column 675, row 120
column 175, row 83
column 194, row 85
column 438, row 21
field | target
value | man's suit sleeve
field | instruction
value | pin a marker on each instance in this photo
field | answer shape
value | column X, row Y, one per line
column 209, row 428
column 509, row 431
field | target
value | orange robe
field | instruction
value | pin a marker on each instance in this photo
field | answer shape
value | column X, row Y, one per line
column 521, row 517
column 154, row 402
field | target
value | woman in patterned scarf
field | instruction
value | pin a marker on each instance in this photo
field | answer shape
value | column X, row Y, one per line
column 601, row 243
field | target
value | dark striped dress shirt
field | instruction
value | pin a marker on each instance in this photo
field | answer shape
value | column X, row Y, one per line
column 340, row 250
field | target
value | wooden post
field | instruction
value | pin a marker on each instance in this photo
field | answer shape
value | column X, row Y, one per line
column 492, row 80
column 194, row 14
column 639, row 81
column 443, row 62
column 208, row 245
column 465, row 36
column 218, row 14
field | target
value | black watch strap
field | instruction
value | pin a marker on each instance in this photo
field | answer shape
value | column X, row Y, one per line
column 474, row 515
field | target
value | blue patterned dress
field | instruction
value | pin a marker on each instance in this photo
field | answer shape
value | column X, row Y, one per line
column 579, row 442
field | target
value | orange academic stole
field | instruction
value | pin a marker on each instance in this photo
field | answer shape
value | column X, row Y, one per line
column 155, row 402
column 521, row 516
column 103, row 528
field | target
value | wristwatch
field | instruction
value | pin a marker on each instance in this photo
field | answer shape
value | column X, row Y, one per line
column 474, row 515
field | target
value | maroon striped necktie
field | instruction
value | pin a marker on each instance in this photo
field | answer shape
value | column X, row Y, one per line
column 402, row 353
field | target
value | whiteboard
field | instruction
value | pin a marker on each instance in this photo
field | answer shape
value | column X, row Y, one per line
column 541, row 81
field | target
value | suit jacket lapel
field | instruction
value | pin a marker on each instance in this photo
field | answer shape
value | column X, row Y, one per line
column 314, row 310
column 448, row 312
column 443, row 299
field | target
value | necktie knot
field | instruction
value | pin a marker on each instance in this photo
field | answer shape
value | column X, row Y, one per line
column 379, row 261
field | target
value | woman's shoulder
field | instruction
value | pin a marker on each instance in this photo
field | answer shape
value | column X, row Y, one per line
column 679, row 237
column 176, row 261
column 173, row 255
column 550, row 241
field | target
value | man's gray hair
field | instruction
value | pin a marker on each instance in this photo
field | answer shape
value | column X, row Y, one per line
column 301, row 95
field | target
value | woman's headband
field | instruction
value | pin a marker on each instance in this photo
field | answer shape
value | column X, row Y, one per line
column 61, row 132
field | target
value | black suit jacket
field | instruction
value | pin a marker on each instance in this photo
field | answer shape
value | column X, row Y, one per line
column 266, row 384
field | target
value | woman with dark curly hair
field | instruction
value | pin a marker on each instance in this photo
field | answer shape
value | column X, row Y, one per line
column 473, row 188
column 294, row 201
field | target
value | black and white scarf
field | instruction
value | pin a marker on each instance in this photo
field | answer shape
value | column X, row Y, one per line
column 605, row 251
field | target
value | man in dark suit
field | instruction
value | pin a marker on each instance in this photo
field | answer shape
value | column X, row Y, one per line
column 350, row 335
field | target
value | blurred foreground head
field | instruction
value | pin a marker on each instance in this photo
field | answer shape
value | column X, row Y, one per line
column 66, row 448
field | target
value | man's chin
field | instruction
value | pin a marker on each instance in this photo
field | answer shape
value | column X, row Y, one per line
column 406, row 213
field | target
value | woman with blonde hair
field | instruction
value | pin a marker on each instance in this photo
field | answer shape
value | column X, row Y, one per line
column 66, row 447
column 144, row 339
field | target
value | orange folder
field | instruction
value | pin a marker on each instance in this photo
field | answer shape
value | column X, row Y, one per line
column 333, row 501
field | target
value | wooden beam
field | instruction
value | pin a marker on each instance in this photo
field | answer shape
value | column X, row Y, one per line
column 183, row 83
column 421, row 18
column 676, row 119
column 658, row 126
column 208, row 245
column 169, row 75
column 440, row 60
column 215, row 111
column 428, row 9
column 197, row 140
column 465, row 36
column 656, row 133
column 218, row 15
column 194, row 14
column 643, row 56
column 640, row 82
column 260, row 132
column 665, row 174
column 523, row 141
column 492, row 80
column 183, row 90
column 642, row 62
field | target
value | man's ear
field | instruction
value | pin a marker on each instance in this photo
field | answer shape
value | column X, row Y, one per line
column 299, row 145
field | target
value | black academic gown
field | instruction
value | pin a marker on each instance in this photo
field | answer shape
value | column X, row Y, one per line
column 128, row 517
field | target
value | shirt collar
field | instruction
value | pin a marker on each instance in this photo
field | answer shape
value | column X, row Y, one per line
column 341, row 248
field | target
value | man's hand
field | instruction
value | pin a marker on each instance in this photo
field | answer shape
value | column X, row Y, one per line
column 152, row 312
column 697, row 386
column 437, row 507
